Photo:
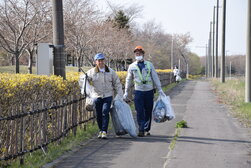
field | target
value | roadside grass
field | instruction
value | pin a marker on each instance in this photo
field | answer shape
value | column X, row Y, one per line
column 12, row 69
column 38, row 158
column 174, row 140
column 232, row 93
column 194, row 77
column 179, row 125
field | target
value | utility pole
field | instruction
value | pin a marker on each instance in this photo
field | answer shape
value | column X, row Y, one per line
column 187, row 75
column 210, row 51
column 216, row 41
column 172, row 53
column 179, row 65
column 206, row 59
column 213, row 57
column 223, row 42
column 206, row 70
column 230, row 70
column 209, row 54
column 248, row 57
column 58, row 38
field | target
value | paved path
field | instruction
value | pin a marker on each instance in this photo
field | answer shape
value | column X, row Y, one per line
column 213, row 139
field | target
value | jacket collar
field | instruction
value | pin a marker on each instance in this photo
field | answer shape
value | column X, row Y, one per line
column 97, row 69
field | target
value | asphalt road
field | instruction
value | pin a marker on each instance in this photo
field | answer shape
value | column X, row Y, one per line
column 213, row 140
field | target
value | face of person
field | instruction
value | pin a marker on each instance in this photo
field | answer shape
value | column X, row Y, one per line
column 138, row 53
column 139, row 56
column 100, row 63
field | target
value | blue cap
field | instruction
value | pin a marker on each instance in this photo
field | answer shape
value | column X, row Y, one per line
column 99, row 56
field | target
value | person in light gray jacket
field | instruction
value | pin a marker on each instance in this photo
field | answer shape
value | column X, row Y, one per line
column 104, row 81
column 144, row 76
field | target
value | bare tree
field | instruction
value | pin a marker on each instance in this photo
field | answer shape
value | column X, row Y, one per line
column 80, row 17
column 16, row 16
column 40, row 30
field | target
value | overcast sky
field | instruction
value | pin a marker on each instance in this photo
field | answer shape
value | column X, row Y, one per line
column 194, row 16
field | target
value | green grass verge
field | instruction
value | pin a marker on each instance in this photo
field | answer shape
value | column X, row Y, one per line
column 179, row 125
column 174, row 140
column 38, row 158
column 24, row 69
column 232, row 93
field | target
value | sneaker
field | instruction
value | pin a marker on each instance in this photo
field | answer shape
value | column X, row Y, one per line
column 103, row 135
column 100, row 134
column 141, row 134
column 147, row 133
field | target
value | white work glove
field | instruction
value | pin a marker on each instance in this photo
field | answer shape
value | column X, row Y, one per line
column 161, row 93
column 125, row 96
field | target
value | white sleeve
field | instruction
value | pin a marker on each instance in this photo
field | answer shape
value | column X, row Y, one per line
column 129, row 79
column 155, row 78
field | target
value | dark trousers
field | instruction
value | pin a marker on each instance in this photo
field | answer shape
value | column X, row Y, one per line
column 102, row 106
column 143, row 101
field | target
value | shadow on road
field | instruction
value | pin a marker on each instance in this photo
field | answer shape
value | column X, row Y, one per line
column 201, row 139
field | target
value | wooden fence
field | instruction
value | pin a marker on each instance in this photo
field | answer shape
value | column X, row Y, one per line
column 34, row 125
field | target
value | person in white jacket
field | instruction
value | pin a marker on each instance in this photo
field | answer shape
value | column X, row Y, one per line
column 144, row 76
column 104, row 81
column 176, row 74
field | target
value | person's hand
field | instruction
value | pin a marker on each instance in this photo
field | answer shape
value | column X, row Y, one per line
column 161, row 93
column 125, row 96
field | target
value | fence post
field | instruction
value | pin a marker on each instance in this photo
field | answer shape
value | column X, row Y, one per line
column 74, row 115
column 65, row 117
column 44, row 139
column 22, row 136
column 80, row 111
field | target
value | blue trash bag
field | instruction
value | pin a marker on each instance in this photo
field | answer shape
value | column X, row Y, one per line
column 118, row 128
column 162, row 109
column 122, row 118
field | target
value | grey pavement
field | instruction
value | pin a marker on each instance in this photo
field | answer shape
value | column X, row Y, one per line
column 214, row 139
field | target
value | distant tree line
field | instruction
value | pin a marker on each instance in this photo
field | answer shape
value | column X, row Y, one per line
column 238, row 64
column 88, row 30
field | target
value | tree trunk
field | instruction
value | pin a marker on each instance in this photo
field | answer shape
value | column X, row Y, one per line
column 79, row 66
column 12, row 60
column 30, row 62
column 73, row 61
column 17, row 62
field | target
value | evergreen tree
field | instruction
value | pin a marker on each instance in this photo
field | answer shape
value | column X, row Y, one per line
column 121, row 21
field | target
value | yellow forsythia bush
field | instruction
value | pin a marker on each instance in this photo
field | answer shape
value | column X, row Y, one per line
column 25, row 88
column 164, row 70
